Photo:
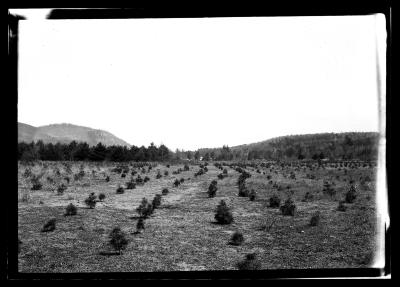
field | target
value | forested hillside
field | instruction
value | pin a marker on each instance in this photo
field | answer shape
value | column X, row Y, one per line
column 346, row 146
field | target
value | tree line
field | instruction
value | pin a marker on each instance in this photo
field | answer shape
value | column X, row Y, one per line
column 342, row 146
column 81, row 151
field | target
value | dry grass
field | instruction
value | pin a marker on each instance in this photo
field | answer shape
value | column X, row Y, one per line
column 182, row 234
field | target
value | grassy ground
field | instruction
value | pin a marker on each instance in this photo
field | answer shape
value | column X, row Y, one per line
column 182, row 233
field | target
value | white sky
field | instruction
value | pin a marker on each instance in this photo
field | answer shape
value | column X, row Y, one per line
column 193, row 83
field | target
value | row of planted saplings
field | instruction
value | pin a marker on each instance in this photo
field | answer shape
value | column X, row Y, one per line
column 288, row 208
column 243, row 190
column 223, row 215
column 212, row 189
column 61, row 187
column 117, row 237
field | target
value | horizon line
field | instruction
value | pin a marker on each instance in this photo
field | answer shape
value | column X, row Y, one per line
column 185, row 150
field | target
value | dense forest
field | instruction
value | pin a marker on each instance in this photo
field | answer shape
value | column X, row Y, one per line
column 81, row 151
column 342, row 146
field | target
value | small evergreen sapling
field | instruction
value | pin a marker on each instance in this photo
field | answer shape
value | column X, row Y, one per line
column 120, row 190
column 308, row 197
column 49, row 226
column 250, row 263
column 237, row 238
column 145, row 208
column 118, row 239
column 315, row 219
column 61, row 188
column 252, row 195
column 351, row 195
column 177, row 183
column 341, row 206
column 288, row 208
column 90, row 201
column 131, row 184
column 274, row 201
column 156, row 201
column 212, row 189
column 36, row 184
column 223, row 215
column 140, row 225
column 70, row 210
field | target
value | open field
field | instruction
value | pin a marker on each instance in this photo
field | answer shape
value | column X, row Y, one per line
column 182, row 233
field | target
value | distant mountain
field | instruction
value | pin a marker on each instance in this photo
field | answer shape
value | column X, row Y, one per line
column 65, row 133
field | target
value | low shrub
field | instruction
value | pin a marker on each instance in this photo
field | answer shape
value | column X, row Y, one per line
column 145, row 208
column 140, row 225
column 36, row 184
column 243, row 191
column 249, row 263
column 107, row 178
column 102, row 196
column 61, row 188
column 131, row 184
column 315, row 219
column 328, row 189
column 308, row 197
column 351, row 194
column 288, row 208
column 177, row 182
column 156, row 201
column 165, row 191
column 199, row 172
column 49, row 226
column 71, row 210
column 146, row 179
column 252, row 195
column 27, row 173
column 342, row 207
column 274, row 201
column 139, row 179
column 237, row 238
column 212, row 189
column 90, row 201
column 120, row 190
